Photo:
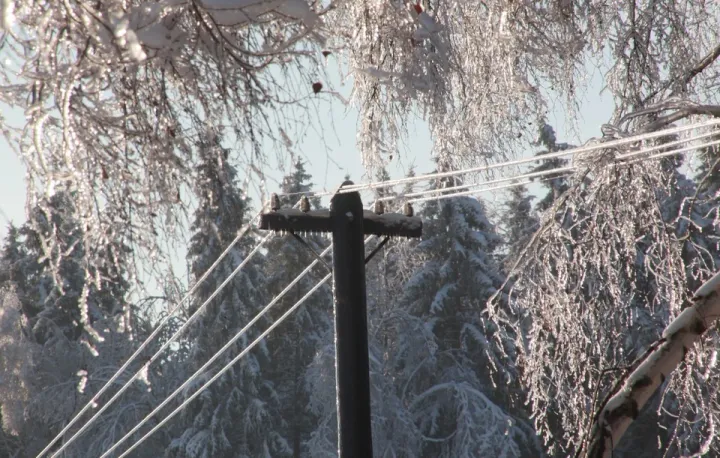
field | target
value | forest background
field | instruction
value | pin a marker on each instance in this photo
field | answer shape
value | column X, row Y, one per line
column 149, row 133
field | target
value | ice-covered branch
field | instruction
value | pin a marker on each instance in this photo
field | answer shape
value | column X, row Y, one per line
column 677, row 339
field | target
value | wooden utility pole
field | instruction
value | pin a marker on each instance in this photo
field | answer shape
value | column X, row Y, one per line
column 348, row 223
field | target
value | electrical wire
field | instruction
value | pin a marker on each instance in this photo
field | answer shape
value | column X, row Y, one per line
column 157, row 354
column 476, row 191
column 413, row 197
column 553, row 155
column 225, row 368
column 93, row 401
column 222, row 350
column 217, row 354
column 355, row 188
column 468, row 192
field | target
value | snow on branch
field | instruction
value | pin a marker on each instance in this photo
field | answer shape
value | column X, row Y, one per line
column 662, row 358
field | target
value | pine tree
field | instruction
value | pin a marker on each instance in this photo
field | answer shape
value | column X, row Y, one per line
column 232, row 418
column 519, row 221
column 556, row 183
column 444, row 353
column 63, row 330
column 295, row 342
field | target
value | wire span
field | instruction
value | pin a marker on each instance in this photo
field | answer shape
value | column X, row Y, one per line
column 217, row 354
column 468, row 190
column 567, row 152
column 93, row 401
column 224, row 369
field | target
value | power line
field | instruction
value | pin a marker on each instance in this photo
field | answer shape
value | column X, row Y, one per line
column 484, row 183
column 146, row 342
column 217, row 354
column 223, row 349
column 563, row 169
column 476, row 191
column 553, row 171
column 225, row 368
column 128, row 383
column 571, row 151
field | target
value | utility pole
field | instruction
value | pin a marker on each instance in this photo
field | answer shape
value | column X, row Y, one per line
column 348, row 223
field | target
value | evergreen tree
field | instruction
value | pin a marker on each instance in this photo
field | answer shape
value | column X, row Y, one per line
column 64, row 324
column 232, row 418
column 296, row 341
column 443, row 354
column 555, row 183
column 519, row 221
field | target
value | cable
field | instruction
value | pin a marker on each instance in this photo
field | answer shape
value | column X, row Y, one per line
column 582, row 149
column 217, row 354
column 146, row 342
column 635, row 161
column 472, row 192
column 571, row 151
column 484, row 183
column 559, row 169
column 669, row 153
column 224, row 369
column 177, row 333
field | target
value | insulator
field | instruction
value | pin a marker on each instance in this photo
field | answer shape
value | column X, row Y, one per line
column 304, row 204
column 274, row 202
column 379, row 207
column 408, row 209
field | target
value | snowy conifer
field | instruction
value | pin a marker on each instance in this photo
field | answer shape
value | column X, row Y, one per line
column 232, row 417
column 556, row 183
column 295, row 343
column 64, row 333
column 519, row 221
column 444, row 355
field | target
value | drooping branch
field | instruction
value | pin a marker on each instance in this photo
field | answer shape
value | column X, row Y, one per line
column 704, row 63
column 678, row 338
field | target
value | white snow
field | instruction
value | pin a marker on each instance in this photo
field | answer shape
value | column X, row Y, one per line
column 7, row 16
column 708, row 287
column 686, row 318
column 298, row 9
column 228, row 4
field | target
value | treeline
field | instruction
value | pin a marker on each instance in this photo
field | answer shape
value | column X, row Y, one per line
column 444, row 370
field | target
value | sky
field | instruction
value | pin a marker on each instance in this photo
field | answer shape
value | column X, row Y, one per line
column 338, row 143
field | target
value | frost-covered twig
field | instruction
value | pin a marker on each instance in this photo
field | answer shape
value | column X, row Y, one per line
column 677, row 339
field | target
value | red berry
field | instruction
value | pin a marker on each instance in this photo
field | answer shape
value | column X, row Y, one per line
column 418, row 8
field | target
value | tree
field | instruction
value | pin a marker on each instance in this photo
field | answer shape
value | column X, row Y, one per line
column 64, row 333
column 233, row 416
column 305, row 332
column 556, row 183
column 598, row 306
column 519, row 221
column 117, row 107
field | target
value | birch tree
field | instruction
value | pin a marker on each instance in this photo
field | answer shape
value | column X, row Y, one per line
column 116, row 93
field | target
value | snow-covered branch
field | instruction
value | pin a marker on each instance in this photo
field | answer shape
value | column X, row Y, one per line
column 661, row 360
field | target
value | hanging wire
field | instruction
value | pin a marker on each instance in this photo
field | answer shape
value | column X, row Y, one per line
column 93, row 402
column 567, row 152
column 217, row 354
column 412, row 196
column 479, row 191
column 223, row 370
column 375, row 185
column 157, row 354
column 469, row 191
